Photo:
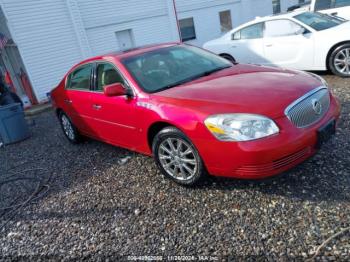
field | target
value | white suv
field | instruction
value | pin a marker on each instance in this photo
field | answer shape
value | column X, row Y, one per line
column 339, row 8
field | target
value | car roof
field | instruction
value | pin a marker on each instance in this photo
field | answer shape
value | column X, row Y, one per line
column 273, row 17
column 131, row 52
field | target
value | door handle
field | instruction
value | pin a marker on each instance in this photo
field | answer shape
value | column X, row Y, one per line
column 335, row 13
column 269, row 45
column 234, row 46
column 67, row 101
column 96, row 107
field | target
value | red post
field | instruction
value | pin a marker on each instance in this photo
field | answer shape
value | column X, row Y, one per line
column 177, row 21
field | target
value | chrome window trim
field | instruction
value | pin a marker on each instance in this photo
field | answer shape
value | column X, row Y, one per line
column 94, row 65
column 73, row 70
column 126, row 82
column 310, row 93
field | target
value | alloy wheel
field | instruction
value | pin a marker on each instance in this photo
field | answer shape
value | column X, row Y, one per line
column 342, row 61
column 67, row 127
column 178, row 158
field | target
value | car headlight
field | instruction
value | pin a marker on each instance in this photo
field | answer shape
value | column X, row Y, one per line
column 324, row 82
column 240, row 127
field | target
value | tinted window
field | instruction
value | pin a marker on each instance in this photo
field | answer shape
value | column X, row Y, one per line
column 278, row 28
column 168, row 67
column 80, row 78
column 323, row 4
column 252, row 32
column 318, row 21
column 107, row 75
column 340, row 3
column 187, row 29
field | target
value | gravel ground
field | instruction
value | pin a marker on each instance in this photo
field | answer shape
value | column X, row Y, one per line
column 90, row 202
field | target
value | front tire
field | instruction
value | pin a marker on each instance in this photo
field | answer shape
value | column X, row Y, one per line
column 339, row 61
column 177, row 157
column 69, row 130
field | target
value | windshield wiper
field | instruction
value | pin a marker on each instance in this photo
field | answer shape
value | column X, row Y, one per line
column 206, row 73
column 192, row 78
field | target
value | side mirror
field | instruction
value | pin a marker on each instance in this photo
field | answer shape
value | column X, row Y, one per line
column 116, row 89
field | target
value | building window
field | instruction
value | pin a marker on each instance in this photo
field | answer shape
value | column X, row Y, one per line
column 187, row 29
column 323, row 4
column 276, row 6
column 225, row 21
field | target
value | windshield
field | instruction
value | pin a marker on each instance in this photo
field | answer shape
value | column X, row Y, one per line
column 319, row 21
column 171, row 66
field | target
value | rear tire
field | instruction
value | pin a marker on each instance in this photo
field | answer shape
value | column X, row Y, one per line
column 69, row 130
column 229, row 58
column 339, row 61
column 177, row 158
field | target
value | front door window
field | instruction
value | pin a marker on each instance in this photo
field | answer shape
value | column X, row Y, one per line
column 107, row 75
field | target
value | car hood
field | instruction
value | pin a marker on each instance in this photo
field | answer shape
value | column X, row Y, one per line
column 242, row 89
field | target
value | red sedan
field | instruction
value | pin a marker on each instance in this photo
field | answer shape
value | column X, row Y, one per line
column 197, row 113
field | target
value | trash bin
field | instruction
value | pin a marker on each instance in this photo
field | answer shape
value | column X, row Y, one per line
column 13, row 126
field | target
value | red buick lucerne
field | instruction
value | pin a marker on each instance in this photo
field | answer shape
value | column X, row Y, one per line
column 196, row 112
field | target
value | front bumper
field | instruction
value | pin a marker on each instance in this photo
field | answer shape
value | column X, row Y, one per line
column 268, row 156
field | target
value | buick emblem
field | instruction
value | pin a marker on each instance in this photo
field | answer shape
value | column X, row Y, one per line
column 316, row 106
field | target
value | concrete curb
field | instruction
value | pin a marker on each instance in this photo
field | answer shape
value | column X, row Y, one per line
column 37, row 109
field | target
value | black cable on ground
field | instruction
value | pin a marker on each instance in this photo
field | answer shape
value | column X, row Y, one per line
column 40, row 191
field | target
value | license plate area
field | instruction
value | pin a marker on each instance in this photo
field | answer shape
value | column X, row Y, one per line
column 325, row 133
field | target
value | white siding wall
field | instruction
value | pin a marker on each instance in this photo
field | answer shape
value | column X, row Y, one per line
column 151, row 22
column 45, row 38
column 146, row 31
column 253, row 8
column 287, row 3
column 205, row 14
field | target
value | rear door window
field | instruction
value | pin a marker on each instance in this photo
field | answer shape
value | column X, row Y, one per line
column 80, row 78
column 250, row 32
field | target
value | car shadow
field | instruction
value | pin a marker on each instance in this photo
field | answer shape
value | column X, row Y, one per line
column 324, row 177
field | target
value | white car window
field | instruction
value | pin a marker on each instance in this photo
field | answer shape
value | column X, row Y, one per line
column 282, row 27
column 341, row 3
column 249, row 32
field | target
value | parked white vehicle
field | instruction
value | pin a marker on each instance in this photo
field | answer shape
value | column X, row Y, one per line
column 298, row 40
column 339, row 8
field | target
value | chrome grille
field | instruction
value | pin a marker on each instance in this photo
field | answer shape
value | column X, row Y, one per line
column 309, row 108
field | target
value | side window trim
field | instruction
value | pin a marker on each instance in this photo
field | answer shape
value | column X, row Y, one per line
column 68, row 78
column 240, row 31
column 97, row 63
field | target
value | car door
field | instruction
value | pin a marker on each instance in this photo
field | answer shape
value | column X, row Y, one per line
column 246, row 45
column 78, row 98
column 339, row 8
column 288, row 44
column 115, row 117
